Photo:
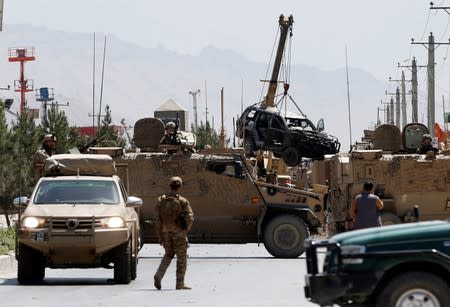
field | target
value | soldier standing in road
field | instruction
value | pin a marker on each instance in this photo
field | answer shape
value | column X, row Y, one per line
column 366, row 207
column 46, row 150
column 174, row 220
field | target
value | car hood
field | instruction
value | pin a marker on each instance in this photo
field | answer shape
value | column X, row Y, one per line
column 411, row 235
column 74, row 210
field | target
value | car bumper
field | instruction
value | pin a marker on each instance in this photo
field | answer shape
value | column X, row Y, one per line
column 339, row 286
column 62, row 245
column 326, row 289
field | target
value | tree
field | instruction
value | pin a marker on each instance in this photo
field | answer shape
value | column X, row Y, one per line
column 107, row 135
column 56, row 122
column 206, row 136
column 6, row 164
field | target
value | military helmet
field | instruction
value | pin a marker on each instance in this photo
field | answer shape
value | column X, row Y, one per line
column 170, row 124
column 49, row 137
column 176, row 181
column 426, row 136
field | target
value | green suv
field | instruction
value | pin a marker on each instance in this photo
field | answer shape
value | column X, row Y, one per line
column 398, row 265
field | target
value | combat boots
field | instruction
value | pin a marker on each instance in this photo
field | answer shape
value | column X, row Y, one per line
column 183, row 287
column 157, row 282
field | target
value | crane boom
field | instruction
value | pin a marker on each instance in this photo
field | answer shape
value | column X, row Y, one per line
column 285, row 24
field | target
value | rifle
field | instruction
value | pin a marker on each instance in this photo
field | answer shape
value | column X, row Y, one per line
column 93, row 142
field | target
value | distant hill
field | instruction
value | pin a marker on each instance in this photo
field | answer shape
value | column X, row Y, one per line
column 138, row 80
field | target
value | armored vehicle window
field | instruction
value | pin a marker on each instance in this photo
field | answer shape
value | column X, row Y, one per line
column 77, row 192
column 230, row 169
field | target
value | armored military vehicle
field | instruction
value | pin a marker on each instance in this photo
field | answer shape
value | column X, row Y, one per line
column 78, row 216
column 231, row 204
column 403, row 179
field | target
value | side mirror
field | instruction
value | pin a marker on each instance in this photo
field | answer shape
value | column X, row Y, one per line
column 20, row 201
column 320, row 125
column 133, row 201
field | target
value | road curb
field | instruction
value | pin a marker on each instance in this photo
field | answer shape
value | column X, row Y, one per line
column 8, row 263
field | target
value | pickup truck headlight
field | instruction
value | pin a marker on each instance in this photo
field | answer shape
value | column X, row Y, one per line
column 352, row 250
column 114, row 222
column 32, row 222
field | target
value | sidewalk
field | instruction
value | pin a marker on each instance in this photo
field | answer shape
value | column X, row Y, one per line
column 8, row 263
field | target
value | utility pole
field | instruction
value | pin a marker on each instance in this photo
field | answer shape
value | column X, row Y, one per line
column 402, row 105
column 413, row 68
column 397, row 107
column 45, row 94
column 222, row 130
column 194, row 97
column 431, row 83
column 1, row 15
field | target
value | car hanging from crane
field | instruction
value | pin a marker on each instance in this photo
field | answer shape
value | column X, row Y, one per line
column 292, row 136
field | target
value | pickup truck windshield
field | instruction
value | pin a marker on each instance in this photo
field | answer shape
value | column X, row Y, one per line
column 77, row 192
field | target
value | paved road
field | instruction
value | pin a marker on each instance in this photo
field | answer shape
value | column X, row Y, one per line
column 221, row 275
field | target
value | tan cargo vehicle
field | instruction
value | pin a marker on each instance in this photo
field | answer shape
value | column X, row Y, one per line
column 403, row 179
column 78, row 216
column 229, row 203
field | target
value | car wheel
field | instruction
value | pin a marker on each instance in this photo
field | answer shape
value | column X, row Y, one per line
column 284, row 236
column 249, row 147
column 122, row 263
column 292, row 156
column 415, row 289
column 388, row 218
column 30, row 265
column 134, row 262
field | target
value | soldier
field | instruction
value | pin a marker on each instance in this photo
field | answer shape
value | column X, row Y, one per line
column 174, row 220
column 171, row 137
column 426, row 145
column 46, row 150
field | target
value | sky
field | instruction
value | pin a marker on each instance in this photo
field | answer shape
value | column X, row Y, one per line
column 377, row 34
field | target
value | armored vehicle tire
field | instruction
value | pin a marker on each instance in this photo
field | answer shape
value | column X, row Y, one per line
column 388, row 218
column 292, row 156
column 284, row 236
column 249, row 147
column 415, row 289
column 30, row 265
column 122, row 263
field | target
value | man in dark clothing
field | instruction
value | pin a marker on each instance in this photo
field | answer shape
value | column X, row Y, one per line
column 366, row 207
column 426, row 145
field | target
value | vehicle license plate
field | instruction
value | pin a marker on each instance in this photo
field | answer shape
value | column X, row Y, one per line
column 39, row 236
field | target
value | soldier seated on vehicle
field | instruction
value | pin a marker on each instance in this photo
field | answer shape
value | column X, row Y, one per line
column 426, row 145
column 171, row 137
column 46, row 150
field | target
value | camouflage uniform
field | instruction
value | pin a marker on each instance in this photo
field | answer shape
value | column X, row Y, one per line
column 174, row 218
column 44, row 151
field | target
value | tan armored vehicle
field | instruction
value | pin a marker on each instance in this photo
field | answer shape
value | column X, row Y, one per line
column 403, row 179
column 229, row 203
column 78, row 216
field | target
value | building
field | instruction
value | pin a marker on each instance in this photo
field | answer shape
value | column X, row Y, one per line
column 170, row 111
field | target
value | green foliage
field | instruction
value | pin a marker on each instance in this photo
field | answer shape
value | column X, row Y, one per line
column 107, row 135
column 56, row 122
column 7, row 240
column 207, row 136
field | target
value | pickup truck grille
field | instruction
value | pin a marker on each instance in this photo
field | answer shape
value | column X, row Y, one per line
column 74, row 223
